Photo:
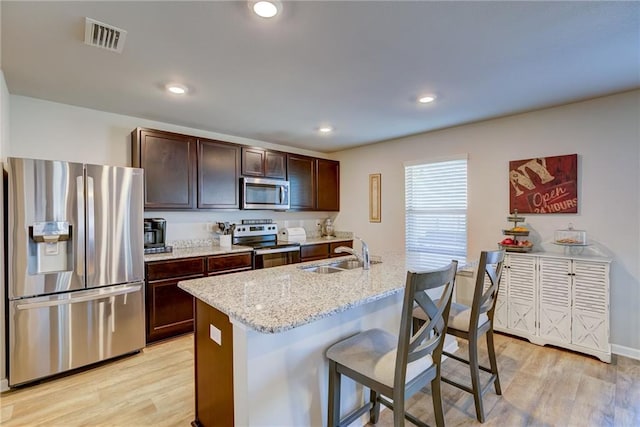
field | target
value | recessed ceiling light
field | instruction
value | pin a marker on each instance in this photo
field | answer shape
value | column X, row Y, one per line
column 426, row 99
column 266, row 9
column 325, row 129
column 177, row 89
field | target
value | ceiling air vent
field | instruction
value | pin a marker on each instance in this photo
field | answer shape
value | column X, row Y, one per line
column 104, row 36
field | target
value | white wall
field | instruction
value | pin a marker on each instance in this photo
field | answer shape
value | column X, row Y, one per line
column 48, row 130
column 603, row 132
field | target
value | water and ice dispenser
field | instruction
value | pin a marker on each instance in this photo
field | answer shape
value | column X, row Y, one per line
column 50, row 247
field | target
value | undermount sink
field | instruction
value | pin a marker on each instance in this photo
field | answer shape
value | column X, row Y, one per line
column 335, row 267
column 321, row 269
column 347, row 264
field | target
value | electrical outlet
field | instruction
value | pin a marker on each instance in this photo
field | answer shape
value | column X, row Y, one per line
column 215, row 334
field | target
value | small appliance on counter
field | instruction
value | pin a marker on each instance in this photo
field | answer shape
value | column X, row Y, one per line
column 292, row 234
column 155, row 235
column 327, row 228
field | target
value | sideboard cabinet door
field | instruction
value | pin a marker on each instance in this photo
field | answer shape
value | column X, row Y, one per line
column 521, row 285
column 590, row 305
column 555, row 299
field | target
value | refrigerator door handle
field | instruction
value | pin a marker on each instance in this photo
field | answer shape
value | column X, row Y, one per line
column 93, row 296
column 91, row 238
column 80, row 230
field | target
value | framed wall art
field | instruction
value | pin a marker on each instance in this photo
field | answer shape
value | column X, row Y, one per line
column 375, row 185
column 544, row 185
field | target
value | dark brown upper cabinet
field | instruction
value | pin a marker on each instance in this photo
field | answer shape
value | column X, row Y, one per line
column 263, row 163
column 328, row 176
column 302, row 182
column 314, row 183
column 169, row 163
column 218, row 173
column 183, row 172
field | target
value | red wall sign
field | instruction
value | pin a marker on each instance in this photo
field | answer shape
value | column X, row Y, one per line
column 544, row 185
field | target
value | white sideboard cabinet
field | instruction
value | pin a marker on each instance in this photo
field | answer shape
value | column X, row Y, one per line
column 556, row 299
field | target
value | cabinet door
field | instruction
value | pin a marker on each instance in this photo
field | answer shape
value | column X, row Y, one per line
column 302, row 181
column 218, row 175
column 264, row 163
column 253, row 161
column 521, row 278
column 169, row 310
column 328, row 173
column 275, row 165
column 554, row 313
column 169, row 163
column 590, row 305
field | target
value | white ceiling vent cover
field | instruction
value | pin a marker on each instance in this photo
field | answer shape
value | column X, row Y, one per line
column 105, row 36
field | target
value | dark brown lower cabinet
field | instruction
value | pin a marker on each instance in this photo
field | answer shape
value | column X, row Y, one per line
column 320, row 251
column 169, row 309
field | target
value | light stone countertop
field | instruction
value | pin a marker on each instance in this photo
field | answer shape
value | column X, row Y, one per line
column 196, row 252
column 281, row 298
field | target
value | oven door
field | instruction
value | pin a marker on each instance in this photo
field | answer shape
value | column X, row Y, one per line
column 274, row 257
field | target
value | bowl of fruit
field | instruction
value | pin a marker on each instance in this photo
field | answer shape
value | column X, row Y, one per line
column 514, row 245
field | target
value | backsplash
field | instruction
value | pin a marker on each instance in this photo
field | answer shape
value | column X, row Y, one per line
column 189, row 229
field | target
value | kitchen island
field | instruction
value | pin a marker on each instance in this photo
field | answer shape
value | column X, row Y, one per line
column 261, row 336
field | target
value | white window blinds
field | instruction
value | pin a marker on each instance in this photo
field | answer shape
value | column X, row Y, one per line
column 436, row 208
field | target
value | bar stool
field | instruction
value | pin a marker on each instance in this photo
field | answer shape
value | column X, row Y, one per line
column 470, row 323
column 396, row 367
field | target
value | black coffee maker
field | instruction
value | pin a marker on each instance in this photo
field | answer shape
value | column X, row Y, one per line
column 155, row 233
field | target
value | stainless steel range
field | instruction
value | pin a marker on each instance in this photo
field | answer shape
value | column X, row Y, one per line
column 262, row 236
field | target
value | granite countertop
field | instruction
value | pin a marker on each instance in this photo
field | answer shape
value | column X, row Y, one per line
column 196, row 251
column 281, row 298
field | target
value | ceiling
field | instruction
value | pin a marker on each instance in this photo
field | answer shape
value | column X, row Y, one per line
column 357, row 66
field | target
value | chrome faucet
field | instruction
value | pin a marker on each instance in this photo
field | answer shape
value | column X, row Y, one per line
column 364, row 258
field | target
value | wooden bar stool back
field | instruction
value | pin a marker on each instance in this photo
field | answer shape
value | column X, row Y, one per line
column 470, row 323
column 396, row 367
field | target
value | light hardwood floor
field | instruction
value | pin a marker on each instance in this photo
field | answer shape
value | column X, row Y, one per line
column 542, row 386
column 151, row 388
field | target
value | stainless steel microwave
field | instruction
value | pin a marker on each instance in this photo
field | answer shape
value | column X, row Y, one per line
column 261, row 193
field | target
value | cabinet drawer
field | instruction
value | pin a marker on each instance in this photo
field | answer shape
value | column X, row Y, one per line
column 159, row 270
column 313, row 252
column 334, row 245
column 225, row 263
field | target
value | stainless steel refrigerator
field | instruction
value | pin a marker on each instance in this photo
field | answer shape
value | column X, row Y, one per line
column 75, row 266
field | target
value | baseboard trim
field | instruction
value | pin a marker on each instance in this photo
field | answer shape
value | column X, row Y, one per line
column 620, row 350
column 4, row 385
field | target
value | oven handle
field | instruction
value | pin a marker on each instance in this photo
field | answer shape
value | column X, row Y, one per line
column 276, row 250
